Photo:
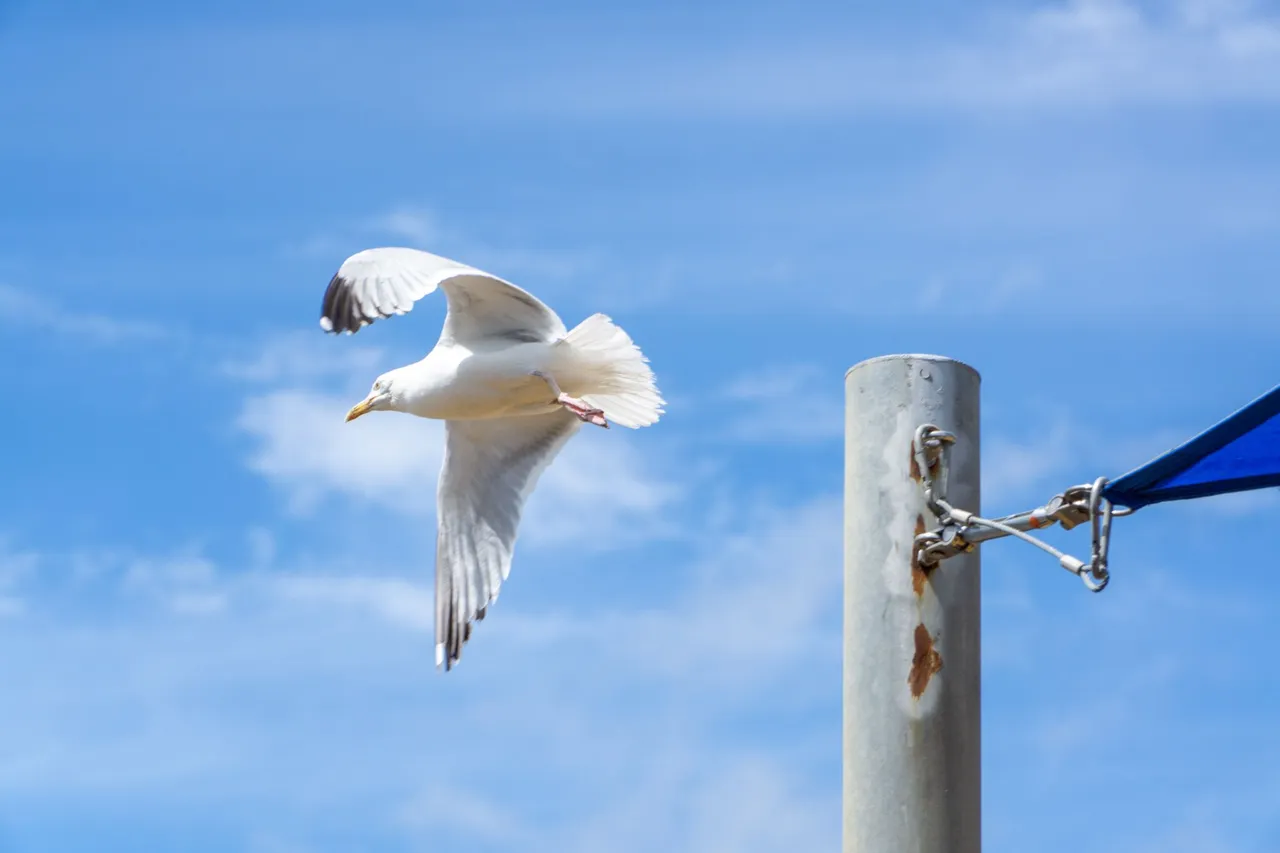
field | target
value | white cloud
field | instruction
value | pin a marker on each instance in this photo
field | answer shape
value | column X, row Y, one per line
column 771, row 383
column 1105, row 684
column 1198, row 830
column 752, row 807
column 305, row 447
column 262, row 547
column 741, row 802
column 397, row 601
column 1113, row 51
column 1012, row 467
column 986, row 293
column 422, row 228
column 1237, row 503
column 601, row 491
column 307, row 358
column 266, row 842
column 744, row 603
column 248, row 709
column 467, row 813
column 185, row 570
column 767, row 594
column 247, row 706
column 16, row 567
column 607, row 488
column 785, row 403
column 1041, row 54
column 183, row 582
column 1071, row 54
column 1032, row 463
column 24, row 309
column 418, row 226
column 186, row 583
column 1053, row 449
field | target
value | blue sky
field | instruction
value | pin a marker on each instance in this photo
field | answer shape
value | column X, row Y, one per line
column 215, row 601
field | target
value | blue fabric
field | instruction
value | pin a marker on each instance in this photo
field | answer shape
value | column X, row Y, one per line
column 1239, row 454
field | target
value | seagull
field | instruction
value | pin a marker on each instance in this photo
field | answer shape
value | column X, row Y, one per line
column 512, row 385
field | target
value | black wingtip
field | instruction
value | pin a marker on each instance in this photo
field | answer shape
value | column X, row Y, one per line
column 340, row 311
column 331, row 320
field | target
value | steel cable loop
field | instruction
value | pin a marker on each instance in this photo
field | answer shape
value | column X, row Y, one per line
column 930, row 451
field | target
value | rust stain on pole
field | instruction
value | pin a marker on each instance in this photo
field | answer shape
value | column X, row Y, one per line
column 925, row 663
column 919, row 573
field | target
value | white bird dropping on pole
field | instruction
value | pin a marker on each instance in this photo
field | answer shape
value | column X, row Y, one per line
column 912, row 703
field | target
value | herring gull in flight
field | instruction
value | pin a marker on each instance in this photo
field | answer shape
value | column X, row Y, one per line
column 512, row 385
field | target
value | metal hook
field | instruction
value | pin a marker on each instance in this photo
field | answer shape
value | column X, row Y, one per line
column 929, row 438
column 1098, row 576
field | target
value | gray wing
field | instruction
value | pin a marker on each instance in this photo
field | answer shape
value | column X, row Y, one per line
column 490, row 468
column 378, row 283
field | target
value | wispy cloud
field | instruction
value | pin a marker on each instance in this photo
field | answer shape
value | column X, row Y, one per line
column 421, row 227
column 1049, row 55
column 306, row 358
column 1072, row 54
column 16, row 566
column 1238, row 503
column 392, row 599
column 416, row 225
column 304, row 447
column 183, row 582
column 760, row 609
column 186, row 583
column 758, row 601
column 24, row 309
column 302, row 444
column 1013, row 467
column 756, row 626
column 1053, row 448
column 784, row 403
column 294, row 656
column 466, row 813
column 607, row 491
column 989, row 293
column 334, row 667
column 601, row 491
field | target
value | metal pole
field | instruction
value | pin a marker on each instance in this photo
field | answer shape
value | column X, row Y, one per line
column 912, row 704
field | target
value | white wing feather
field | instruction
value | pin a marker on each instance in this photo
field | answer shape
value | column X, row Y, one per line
column 379, row 283
column 490, row 468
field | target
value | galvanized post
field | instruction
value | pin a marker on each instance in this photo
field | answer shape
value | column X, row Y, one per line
column 912, row 704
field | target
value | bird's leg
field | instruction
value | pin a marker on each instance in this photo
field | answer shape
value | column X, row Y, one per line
column 573, row 404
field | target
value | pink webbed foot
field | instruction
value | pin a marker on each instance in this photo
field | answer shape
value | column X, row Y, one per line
column 583, row 411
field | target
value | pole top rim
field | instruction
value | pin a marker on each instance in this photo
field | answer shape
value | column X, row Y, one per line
column 925, row 357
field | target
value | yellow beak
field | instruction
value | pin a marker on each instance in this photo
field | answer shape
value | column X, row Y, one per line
column 361, row 408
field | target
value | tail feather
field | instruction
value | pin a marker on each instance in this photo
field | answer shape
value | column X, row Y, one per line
column 613, row 374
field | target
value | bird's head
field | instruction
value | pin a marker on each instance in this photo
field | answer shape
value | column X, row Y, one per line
column 382, row 396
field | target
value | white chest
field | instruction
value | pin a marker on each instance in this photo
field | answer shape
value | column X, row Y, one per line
column 461, row 384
